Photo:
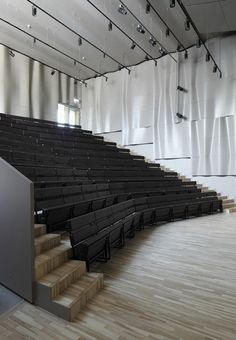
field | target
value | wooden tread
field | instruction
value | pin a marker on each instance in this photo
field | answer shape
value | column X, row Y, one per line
column 39, row 230
column 76, row 296
column 60, row 278
column 46, row 242
column 51, row 259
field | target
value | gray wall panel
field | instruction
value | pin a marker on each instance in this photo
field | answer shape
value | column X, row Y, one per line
column 16, row 231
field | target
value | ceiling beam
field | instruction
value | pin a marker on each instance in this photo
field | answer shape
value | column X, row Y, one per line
column 78, row 35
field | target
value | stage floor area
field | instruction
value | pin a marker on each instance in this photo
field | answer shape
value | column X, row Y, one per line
column 174, row 281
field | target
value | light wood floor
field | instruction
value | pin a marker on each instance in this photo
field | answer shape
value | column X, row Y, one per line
column 176, row 281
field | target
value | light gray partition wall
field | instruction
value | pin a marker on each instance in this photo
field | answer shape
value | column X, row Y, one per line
column 16, row 231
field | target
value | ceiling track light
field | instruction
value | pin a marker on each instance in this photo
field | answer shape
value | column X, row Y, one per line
column 186, row 55
column 152, row 41
column 11, row 53
column 52, row 72
column 161, row 51
column 110, row 26
column 215, row 68
column 172, row 3
column 129, row 72
column 155, row 63
column 104, row 55
column 208, row 57
column 80, row 41
column 75, row 62
column 146, row 57
column 34, row 41
column 119, row 67
column 148, row 8
column 140, row 29
column 34, row 11
column 178, row 48
column 133, row 45
column 122, row 10
column 198, row 43
column 187, row 25
column 167, row 32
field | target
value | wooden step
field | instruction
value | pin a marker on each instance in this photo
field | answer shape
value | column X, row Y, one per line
column 59, row 279
column 46, row 242
column 51, row 259
column 76, row 296
column 229, row 205
column 39, row 230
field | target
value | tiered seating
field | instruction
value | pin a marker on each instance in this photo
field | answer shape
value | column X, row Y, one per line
column 98, row 192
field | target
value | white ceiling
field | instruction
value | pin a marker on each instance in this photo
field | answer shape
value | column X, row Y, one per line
column 210, row 16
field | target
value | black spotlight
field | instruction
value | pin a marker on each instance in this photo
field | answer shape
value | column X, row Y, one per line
column 133, row 45
column 75, row 62
column 152, row 41
column 155, row 63
column 178, row 48
column 119, row 67
column 140, row 29
column 75, row 82
column 52, row 72
column 198, row 43
column 80, row 41
column 34, row 11
column 110, row 26
column 187, row 25
column 148, row 7
column 172, row 3
column 146, row 57
column 122, row 10
column 186, row 55
column 208, row 57
column 167, row 32
column 161, row 51
column 34, row 41
column 104, row 55
column 214, row 68
column 11, row 53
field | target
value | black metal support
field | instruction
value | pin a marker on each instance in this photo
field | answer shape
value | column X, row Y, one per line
column 35, row 39
column 77, row 34
column 188, row 17
column 121, row 30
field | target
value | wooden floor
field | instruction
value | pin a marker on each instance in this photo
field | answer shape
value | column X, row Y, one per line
column 176, row 281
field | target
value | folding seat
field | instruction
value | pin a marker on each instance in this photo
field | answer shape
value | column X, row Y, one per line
column 147, row 211
column 93, row 248
column 104, row 218
column 45, row 172
column 102, row 189
column 72, row 193
column 116, row 235
column 81, row 208
column 47, row 193
column 89, row 191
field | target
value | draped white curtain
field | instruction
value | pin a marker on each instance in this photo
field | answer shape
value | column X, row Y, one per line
column 143, row 105
column 27, row 88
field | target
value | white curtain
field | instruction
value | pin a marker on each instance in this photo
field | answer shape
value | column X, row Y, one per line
column 27, row 88
column 144, row 104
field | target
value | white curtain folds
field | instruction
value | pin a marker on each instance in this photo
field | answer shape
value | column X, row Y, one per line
column 144, row 105
column 27, row 88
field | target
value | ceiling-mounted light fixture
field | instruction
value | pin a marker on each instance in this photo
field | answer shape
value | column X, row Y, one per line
column 75, row 62
column 187, row 25
column 34, row 41
column 178, row 48
column 122, row 10
column 186, row 54
column 167, row 32
column 52, row 72
column 215, row 68
column 11, row 53
column 129, row 72
column 152, row 41
column 75, row 83
column 198, row 43
column 172, row 3
column 140, row 29
column 80, row 41
column 34, row 11
column 148, row 7
column 155, row 63
column 133, row 45
column 208, row 57
column 119, row 67
column 110, row 26
column 146, row 57
column 161, row 51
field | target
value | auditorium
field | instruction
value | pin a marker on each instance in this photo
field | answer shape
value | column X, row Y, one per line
column 118, row 169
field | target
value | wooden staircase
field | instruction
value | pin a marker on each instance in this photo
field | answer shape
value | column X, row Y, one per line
column 63, row 287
